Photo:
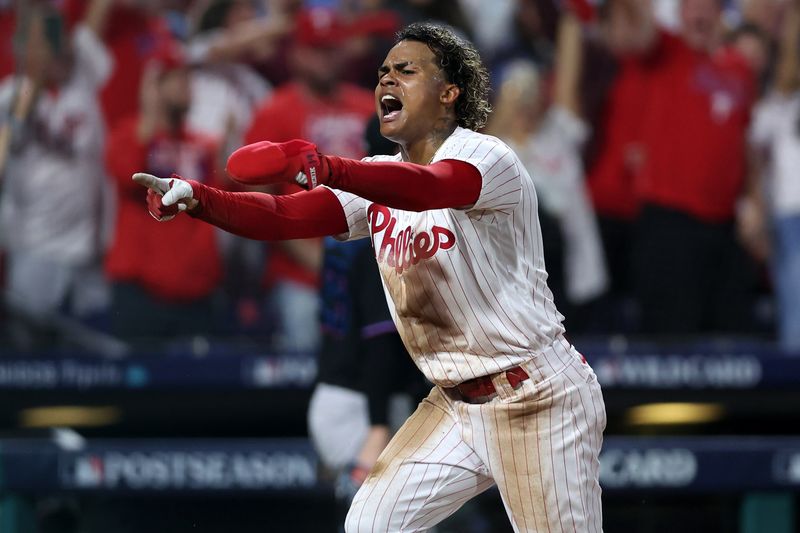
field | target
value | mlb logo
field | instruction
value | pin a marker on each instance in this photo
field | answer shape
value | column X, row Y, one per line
column 87, row 472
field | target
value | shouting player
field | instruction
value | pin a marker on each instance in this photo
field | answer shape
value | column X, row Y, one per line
column 454, row 226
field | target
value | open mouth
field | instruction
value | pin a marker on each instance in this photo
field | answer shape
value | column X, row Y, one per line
column 390, row 106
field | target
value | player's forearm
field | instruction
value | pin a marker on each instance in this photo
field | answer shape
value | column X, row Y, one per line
column 256, row 34
column 569, row 63
column 266, row 217
column 97, row 16
column 407, row 186
column 376, row 441
column 305, row 253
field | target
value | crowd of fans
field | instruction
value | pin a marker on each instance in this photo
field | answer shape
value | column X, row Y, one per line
column 663, row 138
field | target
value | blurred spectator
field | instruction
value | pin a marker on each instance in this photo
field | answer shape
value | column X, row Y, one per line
column 690, row 274
column 491, row 23
column 754, row 46
column 440, row 11
column 667, row 14
column 758, row 32
column 766, row 15
column 316, row 106
column 276, row 68
column 615, row 163
column 548, row 140
column 225, row 89
column 775, row 135
column 51, row 206
column 176, row 16
column 134, row 30
column 160, row 289
column 370, row 32
column 532, row 35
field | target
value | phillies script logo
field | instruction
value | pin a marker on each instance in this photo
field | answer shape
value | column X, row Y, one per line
column 405, row 249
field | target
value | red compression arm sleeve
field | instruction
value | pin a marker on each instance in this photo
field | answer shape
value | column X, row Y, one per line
column 444, row 184
column 266, row 217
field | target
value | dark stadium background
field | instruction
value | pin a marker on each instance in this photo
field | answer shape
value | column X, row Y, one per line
column 208, row 443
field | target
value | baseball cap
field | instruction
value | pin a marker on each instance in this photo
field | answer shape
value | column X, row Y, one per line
column 319, row 26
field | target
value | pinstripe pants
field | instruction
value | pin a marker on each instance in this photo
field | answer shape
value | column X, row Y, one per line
column 539, row 443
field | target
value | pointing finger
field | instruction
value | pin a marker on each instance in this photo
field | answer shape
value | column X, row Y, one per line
column 158, row 185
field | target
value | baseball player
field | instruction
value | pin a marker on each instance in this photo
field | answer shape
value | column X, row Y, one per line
column 454, row 227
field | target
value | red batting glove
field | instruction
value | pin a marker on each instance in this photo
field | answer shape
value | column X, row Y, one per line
column 265, row 163
column 166, row 197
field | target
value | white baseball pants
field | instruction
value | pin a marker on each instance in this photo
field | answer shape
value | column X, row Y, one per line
column 539, row 443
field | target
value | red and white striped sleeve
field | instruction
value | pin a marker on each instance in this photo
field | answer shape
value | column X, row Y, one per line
column 355, row 210
column 355, row 207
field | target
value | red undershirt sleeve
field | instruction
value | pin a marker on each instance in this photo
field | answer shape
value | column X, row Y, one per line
column 318, row 213
column 261, row 216
column 445, row 184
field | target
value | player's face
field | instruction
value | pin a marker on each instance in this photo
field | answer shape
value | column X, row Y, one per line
column 319, row 67
column 175, row 93
column 411, row 93
column 700, row 22
column 754, row 51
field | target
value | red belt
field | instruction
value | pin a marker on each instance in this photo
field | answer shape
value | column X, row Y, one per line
column 481, row 389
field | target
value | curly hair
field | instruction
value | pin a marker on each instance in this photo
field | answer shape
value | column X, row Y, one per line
column 462, row 65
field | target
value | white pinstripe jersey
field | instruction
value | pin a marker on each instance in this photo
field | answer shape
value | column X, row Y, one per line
column 466, row 288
